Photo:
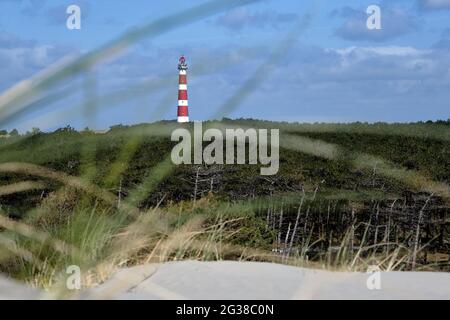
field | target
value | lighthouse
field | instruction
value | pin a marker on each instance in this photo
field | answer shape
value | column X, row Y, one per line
column 183, row 112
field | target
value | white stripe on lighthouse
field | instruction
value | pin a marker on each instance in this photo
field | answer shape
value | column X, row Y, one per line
column 182, row 87
column 183, row 72
column 183, row 119
column 183, row 103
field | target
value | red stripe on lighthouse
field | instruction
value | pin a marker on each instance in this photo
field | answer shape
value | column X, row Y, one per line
column 182, row 95
column 182, row 79
column 183, row 111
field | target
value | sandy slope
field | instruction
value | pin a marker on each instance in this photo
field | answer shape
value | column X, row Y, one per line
column 12, row 290
column 251, row 280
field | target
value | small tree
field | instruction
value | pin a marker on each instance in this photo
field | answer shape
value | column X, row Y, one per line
column 3, row 132
column 14, row 133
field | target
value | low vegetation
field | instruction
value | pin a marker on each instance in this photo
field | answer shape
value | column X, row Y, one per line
column 346, row 197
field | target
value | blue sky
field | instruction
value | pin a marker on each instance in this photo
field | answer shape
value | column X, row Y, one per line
column 334, row 70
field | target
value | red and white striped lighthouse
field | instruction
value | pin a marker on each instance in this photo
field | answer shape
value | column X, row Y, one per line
column 183, row 109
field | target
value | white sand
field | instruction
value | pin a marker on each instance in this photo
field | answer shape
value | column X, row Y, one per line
column 11, row 290
column 251, row 280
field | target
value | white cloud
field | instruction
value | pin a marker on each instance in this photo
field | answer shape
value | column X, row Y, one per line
column 435, row 4
column 383, row 51
column 20, row 59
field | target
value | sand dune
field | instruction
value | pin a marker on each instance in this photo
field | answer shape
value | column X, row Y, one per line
column 250, row 280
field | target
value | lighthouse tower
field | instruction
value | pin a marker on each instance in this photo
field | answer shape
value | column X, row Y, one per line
column 183, row 112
